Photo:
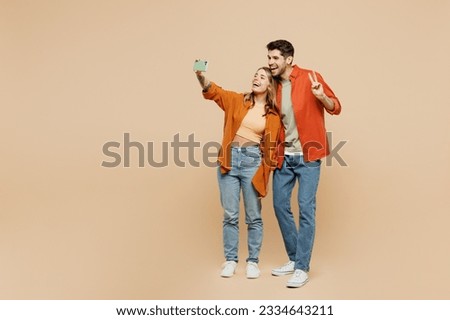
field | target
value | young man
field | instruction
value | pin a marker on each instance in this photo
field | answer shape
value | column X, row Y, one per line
column 302, row 97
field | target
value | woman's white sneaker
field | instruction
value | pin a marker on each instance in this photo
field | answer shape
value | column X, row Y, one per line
column 298, row 279
column 252, row 270
column 287, row 268
column 228, row 269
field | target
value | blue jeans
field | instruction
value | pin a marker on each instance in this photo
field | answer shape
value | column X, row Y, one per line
column 298, row 243
column 244, row 163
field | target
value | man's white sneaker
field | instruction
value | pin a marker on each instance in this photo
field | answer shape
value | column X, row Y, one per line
column 298, row 279
column 228, row 269
column 285, row 269
column 252, row 270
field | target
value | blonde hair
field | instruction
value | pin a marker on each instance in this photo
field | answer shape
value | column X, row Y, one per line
column 271, row 104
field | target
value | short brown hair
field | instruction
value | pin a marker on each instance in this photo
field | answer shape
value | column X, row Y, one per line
column 285, row 47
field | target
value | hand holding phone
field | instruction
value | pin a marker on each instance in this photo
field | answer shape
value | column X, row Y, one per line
column 200, row 65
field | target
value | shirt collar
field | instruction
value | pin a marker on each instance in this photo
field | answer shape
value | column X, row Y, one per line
column 295, row 72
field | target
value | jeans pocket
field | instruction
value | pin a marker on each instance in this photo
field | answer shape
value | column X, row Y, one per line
column 252, row 158
column 313, row 164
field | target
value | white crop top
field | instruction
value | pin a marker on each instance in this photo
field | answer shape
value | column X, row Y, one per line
column 253, row 125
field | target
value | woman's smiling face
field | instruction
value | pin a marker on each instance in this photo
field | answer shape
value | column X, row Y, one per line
column 260, row 82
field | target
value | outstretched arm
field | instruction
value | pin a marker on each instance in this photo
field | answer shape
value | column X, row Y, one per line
column 225, row 99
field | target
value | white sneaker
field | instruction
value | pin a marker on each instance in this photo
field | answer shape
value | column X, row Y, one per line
column 285, row 269
column 252, row 270
column 228, row 269
column 299, row 278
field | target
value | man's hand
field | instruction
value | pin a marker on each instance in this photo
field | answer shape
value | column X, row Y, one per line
column 317, row 90
column 316, row 86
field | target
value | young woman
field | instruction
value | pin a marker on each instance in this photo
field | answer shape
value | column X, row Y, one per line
column 246, row 158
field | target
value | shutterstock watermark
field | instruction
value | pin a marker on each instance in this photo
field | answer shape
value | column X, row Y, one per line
column 185, row 152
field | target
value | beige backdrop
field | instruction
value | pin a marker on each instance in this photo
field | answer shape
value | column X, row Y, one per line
column 75, row 75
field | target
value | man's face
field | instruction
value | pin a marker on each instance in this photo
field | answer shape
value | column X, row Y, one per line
column 277, row 63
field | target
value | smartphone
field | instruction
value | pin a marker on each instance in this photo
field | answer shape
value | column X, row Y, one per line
column 200, row 65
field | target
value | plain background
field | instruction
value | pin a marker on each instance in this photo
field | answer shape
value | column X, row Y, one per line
column 78, row 74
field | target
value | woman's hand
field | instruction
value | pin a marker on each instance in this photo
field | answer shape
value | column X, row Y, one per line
column 204, row 82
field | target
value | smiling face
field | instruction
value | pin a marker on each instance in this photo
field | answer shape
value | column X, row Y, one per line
column 279, row 66
column 260, row 81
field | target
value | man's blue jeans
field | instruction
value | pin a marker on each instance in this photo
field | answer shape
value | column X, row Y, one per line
column 245, row 162
column 298, row 243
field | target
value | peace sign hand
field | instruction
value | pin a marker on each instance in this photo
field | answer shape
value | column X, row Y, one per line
column 316, row 86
